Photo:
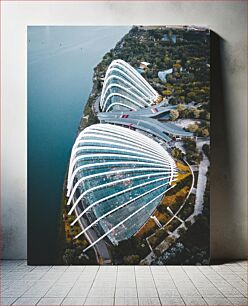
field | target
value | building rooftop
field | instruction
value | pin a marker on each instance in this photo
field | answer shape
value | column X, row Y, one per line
column 118, row 177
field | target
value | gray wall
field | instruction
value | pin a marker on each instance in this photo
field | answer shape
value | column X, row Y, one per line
column 229, row 94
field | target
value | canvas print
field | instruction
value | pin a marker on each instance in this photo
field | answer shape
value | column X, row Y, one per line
column 119, row 145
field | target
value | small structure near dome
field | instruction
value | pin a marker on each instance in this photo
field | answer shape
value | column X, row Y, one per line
column 144, row 65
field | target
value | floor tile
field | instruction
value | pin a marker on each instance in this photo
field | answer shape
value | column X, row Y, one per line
column 108, row 269
column 126, row 283
column 15, row 275
column 189, row 292
column 145, row 283
column 42, row 268
column 6, row 301
column 102, row 292
column 147, row 292
column 73, row 301
column 13, row 292
column 91, row 269
column 125, row 269
column 230, row 292
column 84, row 279
column 33, row 276
column 130, row 285
column 165, row 292
column 104, row 283
column 38, row 290
column 50, row 301
column 166, row 301
column 58, row 291
column 126, row 292
column 217, row 301
column 75, row 269
column 239, row 301
column 121, row 301
column 194, row 301
column 52, row 276
column 122, row 275
column 210, row 292
column 99, row 301
column 79, row 291
column 26, row 301
column 59, row 268
column 149, row 301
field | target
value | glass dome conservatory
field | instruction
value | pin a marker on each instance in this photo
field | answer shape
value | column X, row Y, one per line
column 116, row 179
column 125, row 89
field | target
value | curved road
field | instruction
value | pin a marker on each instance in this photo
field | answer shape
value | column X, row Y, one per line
column 101, row 250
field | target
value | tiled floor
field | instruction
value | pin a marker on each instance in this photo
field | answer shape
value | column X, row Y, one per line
column 124, row 285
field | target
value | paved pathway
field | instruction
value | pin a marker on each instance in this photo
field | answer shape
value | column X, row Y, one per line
column 202, row 179
column 101, row 251
column 123, row 285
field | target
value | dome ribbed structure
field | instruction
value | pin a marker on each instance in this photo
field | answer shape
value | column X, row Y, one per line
column 116, row 179
column 125, row 89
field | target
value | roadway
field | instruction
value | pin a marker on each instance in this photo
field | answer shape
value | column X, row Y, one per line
column 101, row 250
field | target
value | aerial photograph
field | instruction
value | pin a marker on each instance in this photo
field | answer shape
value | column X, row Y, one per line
column 133, row 165
column 137, row 187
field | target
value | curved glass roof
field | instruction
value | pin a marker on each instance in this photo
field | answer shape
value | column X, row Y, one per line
column 116, row 179
column 125, row 89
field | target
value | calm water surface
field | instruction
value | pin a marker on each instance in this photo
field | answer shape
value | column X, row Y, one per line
column 60, row 70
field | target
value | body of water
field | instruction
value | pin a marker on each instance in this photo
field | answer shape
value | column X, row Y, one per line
column 60, row 69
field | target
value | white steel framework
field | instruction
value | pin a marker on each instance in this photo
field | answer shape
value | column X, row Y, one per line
column 115, row 173
column 124, row 88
